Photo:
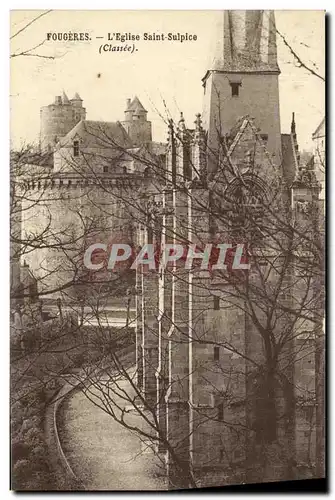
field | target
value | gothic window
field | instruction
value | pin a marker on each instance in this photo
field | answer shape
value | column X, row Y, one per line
column 247, row 191
column 75, row 148
column 235, row 88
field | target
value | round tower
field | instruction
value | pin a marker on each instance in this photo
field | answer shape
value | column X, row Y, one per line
column 58, row 118
column 135, row 122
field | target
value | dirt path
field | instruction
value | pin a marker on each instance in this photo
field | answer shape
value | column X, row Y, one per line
column 104, row 454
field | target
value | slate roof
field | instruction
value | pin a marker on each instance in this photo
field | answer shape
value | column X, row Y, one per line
column 98, row 134
column 76, row 97
column 40, row 159
column 136, row 105
column 65, row 99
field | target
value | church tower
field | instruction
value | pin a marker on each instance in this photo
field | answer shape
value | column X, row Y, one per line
column 242, row 79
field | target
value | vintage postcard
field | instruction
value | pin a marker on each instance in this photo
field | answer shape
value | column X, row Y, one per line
column 167, row 188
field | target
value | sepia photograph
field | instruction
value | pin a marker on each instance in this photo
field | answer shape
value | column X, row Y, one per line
column 167, row 250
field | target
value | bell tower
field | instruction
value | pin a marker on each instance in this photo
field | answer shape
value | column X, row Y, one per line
column 242, row 79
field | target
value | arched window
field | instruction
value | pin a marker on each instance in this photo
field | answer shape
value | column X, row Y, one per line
column 248, row 190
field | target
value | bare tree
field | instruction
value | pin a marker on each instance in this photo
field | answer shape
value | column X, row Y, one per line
column 30, row 52
column 277, row 305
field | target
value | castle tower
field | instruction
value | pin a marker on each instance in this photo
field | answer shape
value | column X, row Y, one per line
column 135, row 122
column 242, row 79
column 58, row 118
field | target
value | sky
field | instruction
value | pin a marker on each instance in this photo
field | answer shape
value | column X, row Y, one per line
column 164, row 74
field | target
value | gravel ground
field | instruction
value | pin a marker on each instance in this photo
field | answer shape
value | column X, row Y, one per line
column 104, row 454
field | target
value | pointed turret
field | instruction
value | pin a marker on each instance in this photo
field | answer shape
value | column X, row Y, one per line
column 135, row 110
column 77, row 100
column 65, row 99
column 136, row 123
column 137, row 105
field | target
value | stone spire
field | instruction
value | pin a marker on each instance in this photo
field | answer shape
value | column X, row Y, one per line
column 171, row 154
column 198, row 150
column 293, row 124
column 183, row 166
column 135, row 110
column 245, row 41
column 295, row 144
column 181, row 123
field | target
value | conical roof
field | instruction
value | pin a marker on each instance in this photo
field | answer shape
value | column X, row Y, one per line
column 65, row 99
column 76, row 97
column 136, row 105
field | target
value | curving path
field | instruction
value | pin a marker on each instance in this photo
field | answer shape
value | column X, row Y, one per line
column 103, row 454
